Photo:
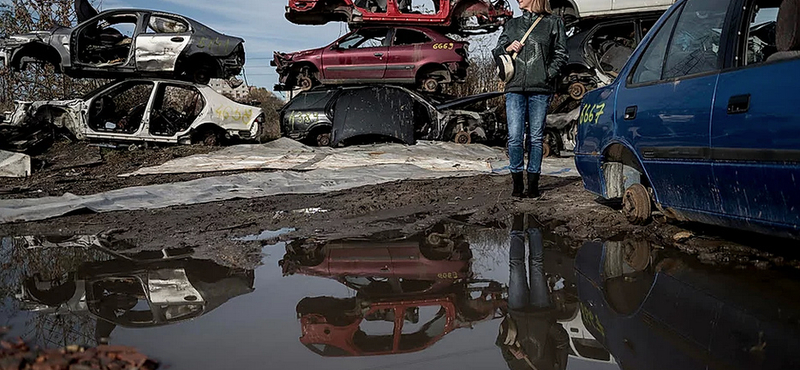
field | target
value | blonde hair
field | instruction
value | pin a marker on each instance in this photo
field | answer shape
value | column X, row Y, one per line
column 541, row 7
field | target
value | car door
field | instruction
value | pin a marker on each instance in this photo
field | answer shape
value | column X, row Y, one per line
column 105, row 41
column 119, row 112
column 162, row 41
column 755, row 132
column 359, row 56
column 408, row 49
column 664, row 107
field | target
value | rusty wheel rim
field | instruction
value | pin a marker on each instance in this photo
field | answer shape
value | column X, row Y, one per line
column 577, row 91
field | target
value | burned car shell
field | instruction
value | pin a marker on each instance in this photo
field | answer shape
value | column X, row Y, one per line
column 156, row 123
column 460, row 16
column 423, row 57
column 303, row 119
column 190, row 51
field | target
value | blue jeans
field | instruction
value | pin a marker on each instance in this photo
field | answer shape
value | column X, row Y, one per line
column 520, row 294
column 521, row 108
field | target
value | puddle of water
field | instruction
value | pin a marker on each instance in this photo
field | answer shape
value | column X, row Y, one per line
column 446, row 299
column 266, row 235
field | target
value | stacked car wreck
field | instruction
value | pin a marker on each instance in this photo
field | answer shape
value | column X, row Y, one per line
column 163, row 62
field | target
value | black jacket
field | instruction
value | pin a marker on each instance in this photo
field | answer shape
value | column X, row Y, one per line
column 543, row 54
column 541, row 339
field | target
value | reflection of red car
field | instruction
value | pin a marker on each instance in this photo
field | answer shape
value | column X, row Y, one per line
column 388, row 268
column 400, row 55
column 461, row 16
column 352, row 327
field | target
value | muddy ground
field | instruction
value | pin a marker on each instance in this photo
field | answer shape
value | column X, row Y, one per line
column 394, row 209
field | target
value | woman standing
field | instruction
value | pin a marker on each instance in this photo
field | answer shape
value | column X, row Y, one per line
column 538, row 62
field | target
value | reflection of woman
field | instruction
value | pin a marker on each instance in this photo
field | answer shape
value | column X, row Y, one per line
column 530, row 337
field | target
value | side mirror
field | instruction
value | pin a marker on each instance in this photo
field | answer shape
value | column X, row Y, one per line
column 335, row 45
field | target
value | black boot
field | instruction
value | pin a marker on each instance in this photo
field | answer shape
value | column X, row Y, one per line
column 519, row 185
column 533, row 185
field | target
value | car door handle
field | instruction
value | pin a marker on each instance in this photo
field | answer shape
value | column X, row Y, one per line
column 630, row 113
column 378, row 55
column 176, row 39
column 385, row 268
column 739, row 104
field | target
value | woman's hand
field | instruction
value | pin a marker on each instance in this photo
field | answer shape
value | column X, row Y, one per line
column 515, row 46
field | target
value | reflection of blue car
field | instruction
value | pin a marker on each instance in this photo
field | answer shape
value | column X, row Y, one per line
column 664, row 310
column 699, row 119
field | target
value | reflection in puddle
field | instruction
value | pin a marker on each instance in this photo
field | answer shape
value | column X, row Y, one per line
column 266, row 235
column 530, row 302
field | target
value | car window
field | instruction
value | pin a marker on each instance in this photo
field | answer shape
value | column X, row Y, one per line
column 409, row 37
column 374, row 6
column 428, row 7
column 369, row 38
column 613, row 45
column 106, row 42
column 651, row 63
column 122, row 108
column 376, row 331
column 647, row 25
column 421, row 325
column 696, row 40
column 761, row 32
column 124, row 24
column 175, row 109
column 159, row 24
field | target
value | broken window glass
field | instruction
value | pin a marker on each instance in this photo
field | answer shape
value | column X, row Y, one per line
column 121, row 109
column 696, row 40
column 158, row 24
column 409, row 37
column 175, row 109
column 107, row 42
column 761, row 34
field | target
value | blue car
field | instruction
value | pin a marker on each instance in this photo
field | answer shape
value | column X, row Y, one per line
column 701, row 119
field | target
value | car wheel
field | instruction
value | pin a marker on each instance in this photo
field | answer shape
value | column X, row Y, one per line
column 463, row 137
column 201, row 74
column 323, row 139
column 577, row 90
column 430, row 85
column 550, row 145
column 636, row 204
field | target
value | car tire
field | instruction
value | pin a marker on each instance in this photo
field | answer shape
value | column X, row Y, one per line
column 306, row 79
column 201, row 74
column 636, row 204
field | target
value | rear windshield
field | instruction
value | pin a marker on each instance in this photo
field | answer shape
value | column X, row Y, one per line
column 311, row 101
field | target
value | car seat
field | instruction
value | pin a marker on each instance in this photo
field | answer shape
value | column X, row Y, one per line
column 787, row 38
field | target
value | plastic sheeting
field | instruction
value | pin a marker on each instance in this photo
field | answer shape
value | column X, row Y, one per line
column 302, row 170
column 287, row 154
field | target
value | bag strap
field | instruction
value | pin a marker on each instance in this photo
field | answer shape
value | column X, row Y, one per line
column 514, row 56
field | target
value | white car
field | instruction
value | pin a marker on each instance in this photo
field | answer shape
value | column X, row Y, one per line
column 572, row 9
column 139, row 110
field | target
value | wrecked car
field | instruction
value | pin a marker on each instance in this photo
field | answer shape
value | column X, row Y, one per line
column 341, row 327
column 414, row 56
column 334, row 116
column 453, row 16
column 129, row 42
column 147, row 110
column 132, row 290
column 697, row 125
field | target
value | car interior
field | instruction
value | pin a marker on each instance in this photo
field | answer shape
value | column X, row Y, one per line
column 108, row 41
column 762, row 37
column 175, row 109
column 121, row 109
column 612, row 45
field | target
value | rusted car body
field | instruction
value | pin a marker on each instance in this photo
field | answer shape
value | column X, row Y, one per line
column 458, row 16
column 390, row 55
column 130, row 42
column 344, row 327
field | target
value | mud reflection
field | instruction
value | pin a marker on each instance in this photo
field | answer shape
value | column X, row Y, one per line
column 104, row 285
column 657, row 308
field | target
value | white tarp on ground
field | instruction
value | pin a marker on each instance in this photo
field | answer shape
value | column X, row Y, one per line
column 394, row 162
column 14, row 164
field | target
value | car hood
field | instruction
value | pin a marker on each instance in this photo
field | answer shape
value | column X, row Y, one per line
column 292, row 56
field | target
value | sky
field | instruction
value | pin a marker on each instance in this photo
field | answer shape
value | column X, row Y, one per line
column 260, row 22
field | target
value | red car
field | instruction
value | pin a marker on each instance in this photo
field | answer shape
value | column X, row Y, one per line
column 380, row 269
column 338, row 327
column 394, row 55
column 456, row 16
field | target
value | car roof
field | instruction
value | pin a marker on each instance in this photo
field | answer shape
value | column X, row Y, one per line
column 139, row 10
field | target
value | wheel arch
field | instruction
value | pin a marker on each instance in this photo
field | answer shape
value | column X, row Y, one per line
column 622, row 152
column 566, row 4
column 40, row 51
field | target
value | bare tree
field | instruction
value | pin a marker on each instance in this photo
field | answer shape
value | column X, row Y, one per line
column 38, row 81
